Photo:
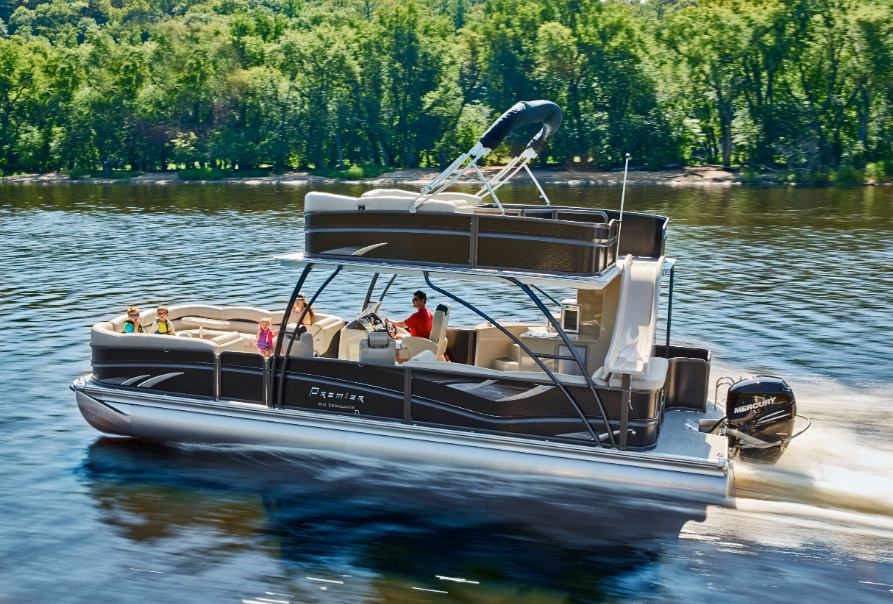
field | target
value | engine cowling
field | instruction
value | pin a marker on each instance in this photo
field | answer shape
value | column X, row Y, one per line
column 759, row 411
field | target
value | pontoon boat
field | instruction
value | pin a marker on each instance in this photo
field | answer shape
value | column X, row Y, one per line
column 588, row 394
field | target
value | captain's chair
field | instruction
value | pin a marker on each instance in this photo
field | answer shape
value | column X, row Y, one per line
column 438, row 340
column 378, row 347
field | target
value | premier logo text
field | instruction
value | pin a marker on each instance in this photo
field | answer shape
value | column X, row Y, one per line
column 345, row 396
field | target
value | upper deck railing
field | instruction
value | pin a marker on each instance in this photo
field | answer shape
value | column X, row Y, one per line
column 552, row 240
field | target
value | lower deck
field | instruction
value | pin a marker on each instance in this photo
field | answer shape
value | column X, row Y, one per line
column 450, row 395
column 480, row 379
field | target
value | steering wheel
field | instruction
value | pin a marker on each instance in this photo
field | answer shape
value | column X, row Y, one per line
column 392, row 330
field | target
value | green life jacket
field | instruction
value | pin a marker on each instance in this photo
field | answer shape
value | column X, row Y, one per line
column 137, row 327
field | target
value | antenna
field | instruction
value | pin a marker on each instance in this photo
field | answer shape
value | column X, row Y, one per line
column 622, row 198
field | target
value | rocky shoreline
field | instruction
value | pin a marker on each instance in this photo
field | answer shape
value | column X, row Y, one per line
column 682, row 176
column 693, row 175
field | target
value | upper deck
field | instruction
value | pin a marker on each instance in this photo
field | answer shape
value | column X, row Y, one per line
column 559, row 241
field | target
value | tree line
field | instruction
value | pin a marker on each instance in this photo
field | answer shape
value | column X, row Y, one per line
column 149, row 84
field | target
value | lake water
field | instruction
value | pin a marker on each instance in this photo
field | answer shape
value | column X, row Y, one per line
column 789, row 281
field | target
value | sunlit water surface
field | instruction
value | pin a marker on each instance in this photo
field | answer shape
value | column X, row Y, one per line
column 793, row 282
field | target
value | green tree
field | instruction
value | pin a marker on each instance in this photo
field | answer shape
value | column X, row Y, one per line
column 711, row 43
column 22, row 84
column 322, row 70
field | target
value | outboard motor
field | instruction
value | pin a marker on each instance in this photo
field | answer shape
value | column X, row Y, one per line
column 760, row 414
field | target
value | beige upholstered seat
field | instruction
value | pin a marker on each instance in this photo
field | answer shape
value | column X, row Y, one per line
column 323, row 330
column 106, row 334
column 378, row 348
column 238, row 335
column 316, row 201
column 466, row 198
column 437, row 343
column 304, row 346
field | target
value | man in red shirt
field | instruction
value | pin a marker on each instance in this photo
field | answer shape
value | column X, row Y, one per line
column 419, row 323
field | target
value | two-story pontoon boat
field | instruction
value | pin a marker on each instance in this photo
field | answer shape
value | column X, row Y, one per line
column 589, row 394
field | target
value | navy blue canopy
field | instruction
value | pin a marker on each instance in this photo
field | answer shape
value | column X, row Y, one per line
column 546, row 113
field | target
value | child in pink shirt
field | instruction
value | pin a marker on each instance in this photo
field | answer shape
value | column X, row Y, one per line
column 266, row 337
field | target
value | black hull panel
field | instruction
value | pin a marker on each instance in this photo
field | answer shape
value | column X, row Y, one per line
column 176, row 371
column 522, row 407
column 507, row 406
column 242, row 376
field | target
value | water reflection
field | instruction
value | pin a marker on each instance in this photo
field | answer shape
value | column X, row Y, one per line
column 389, row 528
column 791, row 281
column 785, row 280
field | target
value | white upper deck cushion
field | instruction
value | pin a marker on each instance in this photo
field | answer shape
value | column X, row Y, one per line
column 315, row 201
column 389, row 193
column 329, row 202
column 468, row 199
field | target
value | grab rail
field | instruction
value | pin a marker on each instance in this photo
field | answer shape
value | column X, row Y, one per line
column 268, row 397
column 291, row 342
column 723, row 381
column 542, row 365
column 575, row 354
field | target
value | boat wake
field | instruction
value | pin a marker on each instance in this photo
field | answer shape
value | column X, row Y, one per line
column 842, row 462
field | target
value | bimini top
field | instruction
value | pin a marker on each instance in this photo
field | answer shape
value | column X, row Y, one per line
column 453, row 231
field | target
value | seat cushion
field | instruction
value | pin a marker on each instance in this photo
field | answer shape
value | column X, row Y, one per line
column 379, row 339
column 193, row 310
column 316, row 201
column 402, row 204
column 417, row 345
column 456, row 198
column 389, row 193
column 226, row 338
column 654, row 378
column 245, row 313
column 386, row 355
column 426, row 356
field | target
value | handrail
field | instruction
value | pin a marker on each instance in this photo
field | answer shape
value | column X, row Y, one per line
column 369, row 292
column 725, row 380
column 292, row 340
column 670, row 309
column 573, row 351
column 284, row 326
column 534, row 357
column 556, row 302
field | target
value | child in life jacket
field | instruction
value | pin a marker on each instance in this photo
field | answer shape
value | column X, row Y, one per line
column 265, row 337
column 132, row 323
column 163, row 326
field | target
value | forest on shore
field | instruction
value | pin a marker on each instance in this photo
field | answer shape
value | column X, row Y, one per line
column 313, row 84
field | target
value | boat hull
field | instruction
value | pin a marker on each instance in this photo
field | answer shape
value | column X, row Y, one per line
column 180, row 419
